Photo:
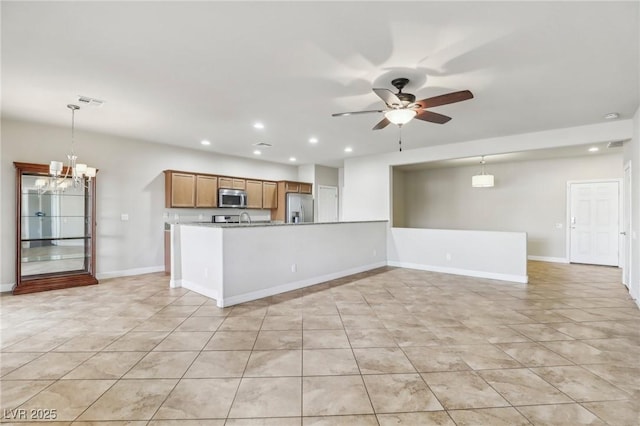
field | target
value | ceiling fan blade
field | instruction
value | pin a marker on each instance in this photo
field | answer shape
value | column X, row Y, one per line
column 382, row 124
column 433, row 117
column 388, row 97
column 449, row 98
column 341, row 114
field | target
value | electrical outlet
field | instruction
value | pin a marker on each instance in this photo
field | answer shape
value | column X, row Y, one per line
column 375, row 252
column 124, row 217
column 294, row 267
column 448, row 256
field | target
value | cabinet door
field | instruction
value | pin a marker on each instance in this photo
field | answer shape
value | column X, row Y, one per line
column 238, row 183
column 305, row 188
column 183, row 190
column 254, row 194
column 206, row 191
column 225, row 182
column 269, row 195
column 291, row 187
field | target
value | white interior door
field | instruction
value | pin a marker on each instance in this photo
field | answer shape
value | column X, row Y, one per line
column 327, row 203
column 626, row 227
column 594, row 217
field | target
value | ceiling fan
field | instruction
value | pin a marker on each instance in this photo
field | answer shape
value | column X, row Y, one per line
column 402, row 107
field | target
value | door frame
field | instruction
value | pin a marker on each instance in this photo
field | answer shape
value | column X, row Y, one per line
column 619, row 181
column 627, row 195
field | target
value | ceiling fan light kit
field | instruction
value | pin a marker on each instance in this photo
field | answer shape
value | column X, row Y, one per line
column 402, row 107
column 400, row 116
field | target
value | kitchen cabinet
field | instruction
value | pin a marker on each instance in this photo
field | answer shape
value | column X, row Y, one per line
column 291, row 187
column 283, row 187
column 206, row 191
column 305, row 188
column 254, row 194
column 269, row 195
column 196, row 190
column 231, row 183
column 180, row 189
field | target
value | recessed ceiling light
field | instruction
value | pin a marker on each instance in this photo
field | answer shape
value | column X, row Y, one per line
column 313, row 140
column 205, row 143
column 594, row 149
column 611, row 116
column 257, row 152
column 348, row 149
column 292, row 158
column 258, row 125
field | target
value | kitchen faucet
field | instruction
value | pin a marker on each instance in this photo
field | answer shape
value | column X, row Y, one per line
column 242, row 214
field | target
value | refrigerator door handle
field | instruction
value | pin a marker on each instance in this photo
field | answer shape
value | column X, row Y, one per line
column 302, row 210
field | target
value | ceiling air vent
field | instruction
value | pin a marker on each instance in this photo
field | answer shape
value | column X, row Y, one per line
column 615, row 144
column 263, row 145
column 85, row 100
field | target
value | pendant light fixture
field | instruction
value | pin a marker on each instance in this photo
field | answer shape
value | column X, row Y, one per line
column 482, row 180
column 76, row 171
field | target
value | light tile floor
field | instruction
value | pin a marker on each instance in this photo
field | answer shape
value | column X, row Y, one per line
column 387, row 347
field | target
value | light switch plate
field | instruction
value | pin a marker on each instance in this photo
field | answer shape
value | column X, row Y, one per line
column 124, row 217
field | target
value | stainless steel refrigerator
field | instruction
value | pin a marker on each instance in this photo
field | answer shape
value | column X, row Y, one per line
column 299, row 208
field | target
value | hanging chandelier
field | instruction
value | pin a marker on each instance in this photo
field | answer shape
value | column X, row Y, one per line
column 482, row 180
column 77, row 172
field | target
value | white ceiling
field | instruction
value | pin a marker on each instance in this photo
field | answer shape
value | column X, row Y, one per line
column 603, row 148
column 180, row 72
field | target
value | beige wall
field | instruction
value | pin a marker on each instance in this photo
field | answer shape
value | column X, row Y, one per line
column 529, row 196
column 130, row 181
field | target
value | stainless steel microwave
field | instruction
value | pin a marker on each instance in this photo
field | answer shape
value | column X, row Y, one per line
column 232, row 198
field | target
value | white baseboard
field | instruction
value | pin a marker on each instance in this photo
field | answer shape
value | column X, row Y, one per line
column 7, row 287
column 466, row 272
column 295, row 285
column 549, row 259
column 200, row 289
column 129, row 272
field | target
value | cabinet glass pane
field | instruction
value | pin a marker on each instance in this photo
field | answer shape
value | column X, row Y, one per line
column 54, row 226
column 54, row 256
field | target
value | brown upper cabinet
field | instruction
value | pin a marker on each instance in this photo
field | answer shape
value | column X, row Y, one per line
column 305, row 188
column 231, row 183
column 301, row 187
column 206, row 191
column 189, row 190
column 269, row 195
column 291, row 186
column 180, row 189
column 254, row 194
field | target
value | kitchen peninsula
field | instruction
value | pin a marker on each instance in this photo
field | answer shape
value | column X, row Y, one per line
column 236, row 263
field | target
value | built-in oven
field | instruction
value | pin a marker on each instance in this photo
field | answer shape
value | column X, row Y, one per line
column 232, row 198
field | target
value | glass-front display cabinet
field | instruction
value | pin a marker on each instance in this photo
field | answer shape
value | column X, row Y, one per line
column 55, row 230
